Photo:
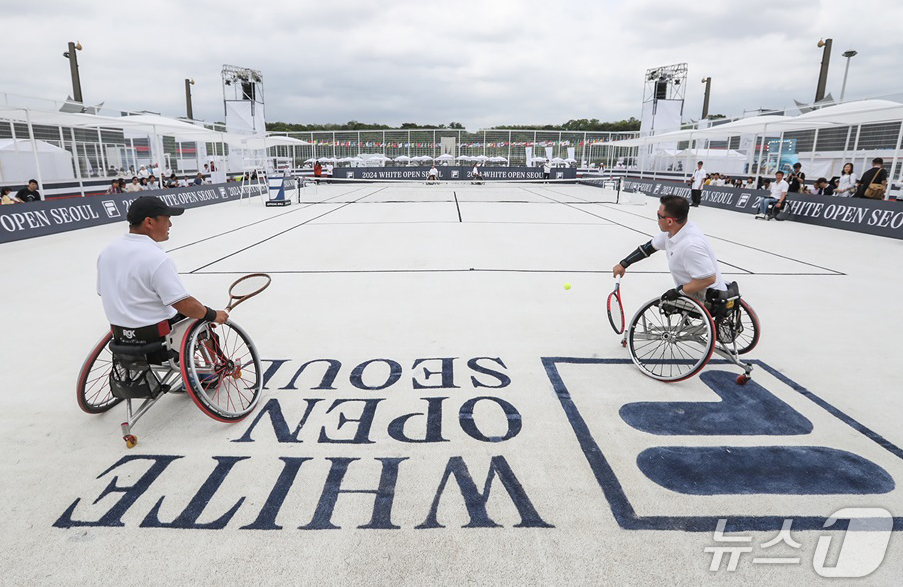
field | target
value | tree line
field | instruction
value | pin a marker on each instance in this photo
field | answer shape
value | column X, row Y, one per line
column 581, row 124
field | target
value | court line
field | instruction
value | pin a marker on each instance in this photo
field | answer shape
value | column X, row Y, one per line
column 833, row 271
column 271, row 237
column 470, row 270
column 458, row 206
column 274, row 217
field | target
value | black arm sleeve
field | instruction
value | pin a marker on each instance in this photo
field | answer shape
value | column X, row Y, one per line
column 639, row 254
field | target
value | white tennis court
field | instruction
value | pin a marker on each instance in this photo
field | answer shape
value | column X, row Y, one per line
column 440, row 410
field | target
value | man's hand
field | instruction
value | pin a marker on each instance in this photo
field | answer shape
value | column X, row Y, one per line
column 671, row 295
column 618, row 270
column 221, row 316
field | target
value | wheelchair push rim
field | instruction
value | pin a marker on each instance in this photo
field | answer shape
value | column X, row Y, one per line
column 671, row 341
column 221, row 370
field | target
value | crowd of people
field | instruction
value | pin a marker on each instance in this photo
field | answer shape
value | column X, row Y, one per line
column 846, row 185
column 30, row 192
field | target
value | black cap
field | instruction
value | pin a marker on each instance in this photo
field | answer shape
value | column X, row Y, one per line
column 150, row 207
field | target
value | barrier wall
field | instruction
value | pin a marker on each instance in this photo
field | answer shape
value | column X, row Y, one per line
column 878, row 217
column 449, row 173
column 21, row 221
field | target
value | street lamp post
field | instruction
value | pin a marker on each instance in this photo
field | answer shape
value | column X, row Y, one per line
column 73, row 69
column 843, row 88
column 705, row 102
column 188, row 84
column 823, row 74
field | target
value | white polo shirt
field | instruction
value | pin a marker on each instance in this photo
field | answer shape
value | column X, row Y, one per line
column 698, row 179
column 777, row 188
column 137, row 282
column 690, row 256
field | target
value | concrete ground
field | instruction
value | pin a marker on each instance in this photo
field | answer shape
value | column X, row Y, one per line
column 466, row 420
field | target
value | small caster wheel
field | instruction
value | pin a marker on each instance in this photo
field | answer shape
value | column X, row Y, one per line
column 130, row 441
column 624, row 343
column 742, row 379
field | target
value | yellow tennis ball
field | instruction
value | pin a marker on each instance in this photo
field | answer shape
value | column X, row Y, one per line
column 567, row 286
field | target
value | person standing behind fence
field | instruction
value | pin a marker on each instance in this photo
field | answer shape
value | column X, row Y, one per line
column 873, row 183
column 846, row 185
column 796, row 179
column 696, row 183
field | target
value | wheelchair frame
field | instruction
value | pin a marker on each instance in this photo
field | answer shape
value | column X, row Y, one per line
column 200, row 366
column 688, row 334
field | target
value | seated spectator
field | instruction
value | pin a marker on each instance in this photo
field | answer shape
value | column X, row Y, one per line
column 778, row 195
column 143, row 184
column 30, row 192
column 821, row 187
column 152, row 183
column 132, row 186
column 115, row 187
column 143, row 173
column 750, row 183
column 199, row 179
column 184, row 183
column 846, row 185
column 6, row 197
column 172, row 181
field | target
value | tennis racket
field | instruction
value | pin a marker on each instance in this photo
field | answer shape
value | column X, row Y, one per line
column 616, row 308
column 247, row 287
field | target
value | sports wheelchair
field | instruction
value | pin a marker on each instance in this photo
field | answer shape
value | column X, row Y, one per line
column 217, row 364
column 674, row 340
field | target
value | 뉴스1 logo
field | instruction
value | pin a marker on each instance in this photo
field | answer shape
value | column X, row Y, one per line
column 864, row 545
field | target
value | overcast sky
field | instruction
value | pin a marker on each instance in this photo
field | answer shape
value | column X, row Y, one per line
column 486, row 63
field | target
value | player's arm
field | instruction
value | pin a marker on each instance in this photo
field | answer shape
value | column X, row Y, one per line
column 194, row 309
column 639, row 254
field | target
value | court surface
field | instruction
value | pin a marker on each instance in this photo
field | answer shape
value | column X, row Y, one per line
column 440, row 410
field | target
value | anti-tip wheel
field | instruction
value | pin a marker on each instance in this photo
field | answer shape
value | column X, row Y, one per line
column 742, row 379
column 624, row 342
column 130, row 441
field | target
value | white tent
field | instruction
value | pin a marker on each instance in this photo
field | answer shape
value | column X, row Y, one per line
column 17, row 161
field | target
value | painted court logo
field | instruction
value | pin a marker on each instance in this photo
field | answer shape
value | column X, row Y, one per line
column 454, row 441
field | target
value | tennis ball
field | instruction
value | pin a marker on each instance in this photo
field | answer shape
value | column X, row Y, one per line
column 567, row 286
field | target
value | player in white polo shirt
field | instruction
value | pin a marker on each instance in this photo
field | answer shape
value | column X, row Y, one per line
column 138, row 283
column 691, row 259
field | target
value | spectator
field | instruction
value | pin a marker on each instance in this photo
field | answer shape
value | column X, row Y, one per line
column 152, row 183
column 132, row 186
column 876, row 176
column 750, row 183
column 6, row 197
column 821, row 187
column 173, row 181
column 797, row 178
column 199, row 179
column 183, row 182
column 143, row 183
column 778, row 195
column 846, row 185
column 696, row 183
column 143, row 173
column 29, row 193
column 115, row 187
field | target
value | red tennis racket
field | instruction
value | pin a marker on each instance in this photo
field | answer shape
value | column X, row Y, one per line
column 616, row 308
column 247, row 287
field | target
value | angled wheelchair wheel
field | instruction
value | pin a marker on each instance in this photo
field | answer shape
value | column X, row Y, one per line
column 748, row 337
column 221, row 370
column 671, row 341
column 93, row 388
